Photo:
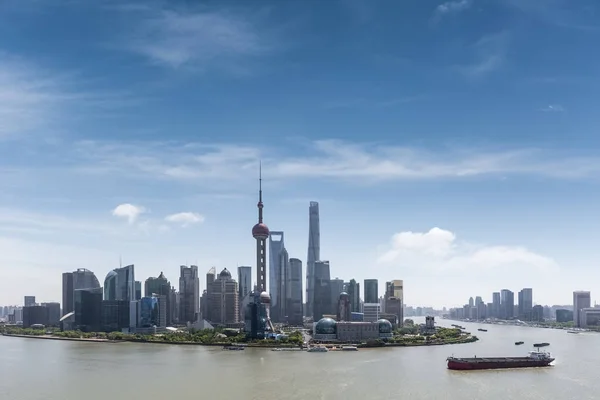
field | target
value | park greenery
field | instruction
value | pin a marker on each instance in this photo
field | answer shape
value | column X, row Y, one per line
column 202, row 337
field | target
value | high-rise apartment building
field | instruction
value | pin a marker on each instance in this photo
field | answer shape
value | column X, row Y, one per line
column 507, row 304
column 353, row 290
column 160, row 286
column 581, row 300
column 29, row 301
column 189, row 294
column 314, row 254
column 80, row 279
column 322, row 290
column 371, row 291
column 119, row 284
column 496, row 305
column 293, row 295
column 223, row 300
column 525, row 306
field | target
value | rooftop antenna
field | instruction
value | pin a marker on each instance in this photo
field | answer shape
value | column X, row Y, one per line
column 120, row 261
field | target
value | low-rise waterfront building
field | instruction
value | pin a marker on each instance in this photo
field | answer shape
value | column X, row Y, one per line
column 328, row 329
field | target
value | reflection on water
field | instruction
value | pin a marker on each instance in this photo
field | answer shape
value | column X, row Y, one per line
column 55, row 370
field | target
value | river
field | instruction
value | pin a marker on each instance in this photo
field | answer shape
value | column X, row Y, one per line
column 32, row 369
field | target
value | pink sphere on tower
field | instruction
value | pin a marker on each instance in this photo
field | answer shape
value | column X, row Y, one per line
column 260, row 231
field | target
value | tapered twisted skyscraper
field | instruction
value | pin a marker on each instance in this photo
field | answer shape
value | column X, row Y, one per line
column 314, row 254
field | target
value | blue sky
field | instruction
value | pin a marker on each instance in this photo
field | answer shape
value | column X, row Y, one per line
column 450, row 144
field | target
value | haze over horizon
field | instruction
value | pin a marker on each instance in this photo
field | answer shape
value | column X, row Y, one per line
column 450, row 144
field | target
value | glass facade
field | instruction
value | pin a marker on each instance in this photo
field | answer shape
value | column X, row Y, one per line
column 149, row 312
column 88, row 309
column 119, row 284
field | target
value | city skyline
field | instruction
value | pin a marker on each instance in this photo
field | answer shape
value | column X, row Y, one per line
column 470, row 160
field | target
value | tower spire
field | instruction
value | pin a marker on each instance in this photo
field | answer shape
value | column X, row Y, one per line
column 260, row 202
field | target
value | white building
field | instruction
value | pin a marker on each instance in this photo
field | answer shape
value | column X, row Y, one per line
column 371, row 311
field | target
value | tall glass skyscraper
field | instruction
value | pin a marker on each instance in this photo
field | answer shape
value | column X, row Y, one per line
column 371, row 291
column 119, row 284
column 314, row 254
column 80, row 279
column 278, row 260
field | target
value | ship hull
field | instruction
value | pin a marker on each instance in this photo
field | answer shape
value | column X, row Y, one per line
column 496, row 363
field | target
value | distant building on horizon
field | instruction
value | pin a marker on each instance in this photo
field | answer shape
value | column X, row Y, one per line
column 507, row 304
column 525, row 306
column 29, row 301
column 581, row 299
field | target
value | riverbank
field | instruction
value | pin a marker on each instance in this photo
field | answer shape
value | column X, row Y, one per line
column 462, row 340
column 525, row 324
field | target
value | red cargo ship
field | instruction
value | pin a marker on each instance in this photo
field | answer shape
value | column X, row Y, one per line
column 534, row 359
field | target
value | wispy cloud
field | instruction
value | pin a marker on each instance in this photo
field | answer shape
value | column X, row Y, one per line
column 553, row 108
column 451, row 7
column 568, row 14
column 361, row 102
column 202, row 40
column 218, row 165
column 32, row 97
column 489, row 55
column 185, row 218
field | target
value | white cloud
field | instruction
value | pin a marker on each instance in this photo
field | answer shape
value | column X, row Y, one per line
column 439, row 250
column 453, row 6
column 185, row 218
column 553, row 108
column 128, row 211
column 199, row 39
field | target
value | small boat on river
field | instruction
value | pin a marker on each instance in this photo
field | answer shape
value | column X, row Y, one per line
column 482, row 330
column 543, row 344
column 518, row 343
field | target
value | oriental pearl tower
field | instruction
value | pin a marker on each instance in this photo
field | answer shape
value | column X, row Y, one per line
column 260, row 232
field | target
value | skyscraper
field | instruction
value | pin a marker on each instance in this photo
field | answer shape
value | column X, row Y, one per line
column 138, row 290
column 581, row 300
column 294, row 292
column 224, row 301
column 394, row 299
column 29, row 301
column 189, row 293
column 322, row 290
column 507, row 304
column 80, row 279
column 496, row 305
column 525, row 306
column 245, row 288
column 314, row 254
column 119, row 284
column 278, row 260
column 354, row 294
column 337, row 286
column 161, row 286
column 371, row 291
column 244, row 281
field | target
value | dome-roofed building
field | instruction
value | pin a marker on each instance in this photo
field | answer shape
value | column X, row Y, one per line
column 325, row 329
column 225, row 274
column 385, row 328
